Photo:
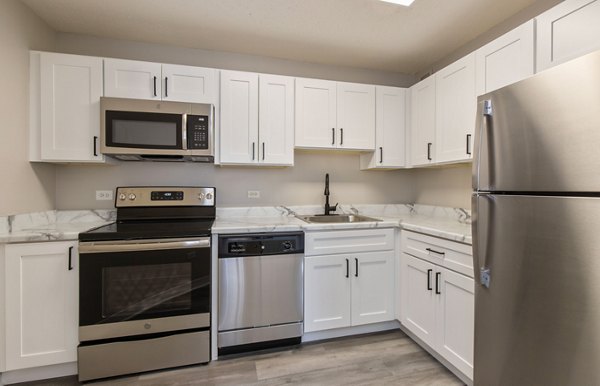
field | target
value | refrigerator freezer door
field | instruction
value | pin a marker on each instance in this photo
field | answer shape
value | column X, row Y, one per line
column 538, row 323
column 543, row 133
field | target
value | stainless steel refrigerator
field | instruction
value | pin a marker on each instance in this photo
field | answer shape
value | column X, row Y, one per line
column 536, row 229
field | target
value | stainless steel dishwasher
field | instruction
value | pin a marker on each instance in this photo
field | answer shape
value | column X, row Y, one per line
column 260, row 290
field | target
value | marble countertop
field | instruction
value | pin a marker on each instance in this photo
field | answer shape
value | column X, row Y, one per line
column 448, row 223
column 51, row 225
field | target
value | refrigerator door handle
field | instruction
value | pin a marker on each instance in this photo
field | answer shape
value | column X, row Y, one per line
column 483, row 157
column 483, row 208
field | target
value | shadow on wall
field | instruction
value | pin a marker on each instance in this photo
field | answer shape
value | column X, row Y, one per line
column 444, row 186
column 302, row 184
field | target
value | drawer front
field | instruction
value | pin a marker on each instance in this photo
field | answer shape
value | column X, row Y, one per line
column 350, row 241
column 452, row 255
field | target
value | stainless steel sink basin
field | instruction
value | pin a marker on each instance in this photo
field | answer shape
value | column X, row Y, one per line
column 337, row 218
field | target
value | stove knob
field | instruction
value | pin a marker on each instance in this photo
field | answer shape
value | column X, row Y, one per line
column 200, row 196
column 122, row 196
column 287, row 245
column 209, row 196
column 131, row 196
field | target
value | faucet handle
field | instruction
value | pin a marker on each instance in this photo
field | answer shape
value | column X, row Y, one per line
column 334, row 208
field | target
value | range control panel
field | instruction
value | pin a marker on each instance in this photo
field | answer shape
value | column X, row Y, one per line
column 261, row 244
column 197, row 131
column 137, row 196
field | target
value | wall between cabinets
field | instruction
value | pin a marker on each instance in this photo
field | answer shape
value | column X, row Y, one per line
column 445, row 186
column 302, row 184
column 26, row 187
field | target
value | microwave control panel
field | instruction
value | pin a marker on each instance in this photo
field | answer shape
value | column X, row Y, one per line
column 197, row 132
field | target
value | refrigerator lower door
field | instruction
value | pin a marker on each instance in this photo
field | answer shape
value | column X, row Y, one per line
column 537, row 320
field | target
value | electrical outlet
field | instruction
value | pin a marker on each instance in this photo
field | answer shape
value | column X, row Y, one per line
column 254, row 194
column 104, row 195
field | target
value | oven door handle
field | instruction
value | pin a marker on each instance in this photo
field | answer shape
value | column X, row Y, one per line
column 143, row 245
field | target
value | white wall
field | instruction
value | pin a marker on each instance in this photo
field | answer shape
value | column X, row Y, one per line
column 25, row 187
column 446, row 186
column 299, row 185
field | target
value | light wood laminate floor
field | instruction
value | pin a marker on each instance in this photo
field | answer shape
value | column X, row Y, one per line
column 389, row 358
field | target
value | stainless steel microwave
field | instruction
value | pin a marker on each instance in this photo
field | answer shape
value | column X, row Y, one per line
column 143, row 130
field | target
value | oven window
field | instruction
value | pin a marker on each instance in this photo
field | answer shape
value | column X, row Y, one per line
column 144, row 133
column 129, row 291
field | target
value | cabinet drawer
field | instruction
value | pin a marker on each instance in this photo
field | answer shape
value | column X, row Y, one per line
column 350, row 241
column 452, row 255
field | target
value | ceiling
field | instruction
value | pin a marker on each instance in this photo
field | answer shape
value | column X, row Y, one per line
column 357, row 33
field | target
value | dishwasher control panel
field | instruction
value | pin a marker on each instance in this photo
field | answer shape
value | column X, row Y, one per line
column 261, row 244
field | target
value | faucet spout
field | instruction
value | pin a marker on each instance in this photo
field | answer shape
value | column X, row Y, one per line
column 328, row 208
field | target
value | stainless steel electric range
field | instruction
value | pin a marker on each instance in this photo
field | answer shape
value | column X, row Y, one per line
column 144, row 283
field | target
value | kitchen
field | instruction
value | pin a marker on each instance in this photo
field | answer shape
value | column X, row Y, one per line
column 46, row 187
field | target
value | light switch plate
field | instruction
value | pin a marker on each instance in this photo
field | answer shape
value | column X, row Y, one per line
column 254, row 194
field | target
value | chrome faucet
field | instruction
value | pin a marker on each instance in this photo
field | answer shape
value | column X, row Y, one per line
column 328, row 208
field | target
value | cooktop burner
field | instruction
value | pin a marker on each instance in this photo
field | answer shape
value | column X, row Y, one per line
column 158, row 213
column 148, row 230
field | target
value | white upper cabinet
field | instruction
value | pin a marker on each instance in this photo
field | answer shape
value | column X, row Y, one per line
column 189, row 84
column 316, row 113
column 239, row 117
column 169, row 82
column 276, row 120
column 41, row 301
column 132, row 79
column 422, row 122
column 356, row 116
column 456, row 106
column 569, row 30
column 257, row 119
column 390, row 130
column 506, row 60
column 334, row 115
column 65, row 107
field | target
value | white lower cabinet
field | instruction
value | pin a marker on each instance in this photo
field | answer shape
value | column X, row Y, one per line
column 41, row 300
column 347, row 289
column 437, row 306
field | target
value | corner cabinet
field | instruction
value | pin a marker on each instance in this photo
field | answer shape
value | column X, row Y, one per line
column 390, row 130
column 455, row 110
column 41, row 301
column 156, row 81
column 257, row 119
column 355, row 269
column 506, row 60
column 437, row 303
column 334, row 115
column 566, row 31
column 65, row 93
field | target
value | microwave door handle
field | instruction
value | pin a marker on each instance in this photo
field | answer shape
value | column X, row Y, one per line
column 184, row 129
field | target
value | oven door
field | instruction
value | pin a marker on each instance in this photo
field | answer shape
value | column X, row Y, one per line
column 139, row 287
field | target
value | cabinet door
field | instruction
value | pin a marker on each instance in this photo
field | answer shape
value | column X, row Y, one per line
column 568, row 30
column 456, row 106
column 372, row 287
column 455, row 318
column 41, row 304
column 356, row 116
column 316, row 113
column 239, row 117
column 70, row 91
column 327, row 289
column 390, row 126
column 506, row 60
column 132, row 79
column 418, row 298
column 276, row 120
column 422, row 122
column 189, row 84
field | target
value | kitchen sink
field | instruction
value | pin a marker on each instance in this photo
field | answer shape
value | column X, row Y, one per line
column 336, row 218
